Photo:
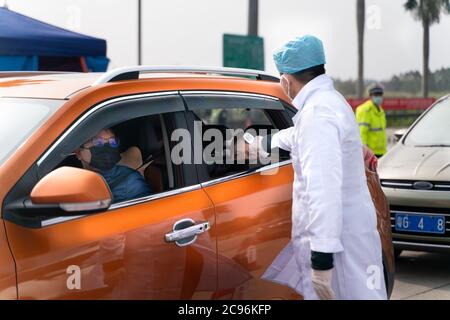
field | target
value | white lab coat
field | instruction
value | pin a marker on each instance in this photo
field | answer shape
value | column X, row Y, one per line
column 332, row 210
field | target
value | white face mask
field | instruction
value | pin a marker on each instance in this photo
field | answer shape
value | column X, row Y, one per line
column 284, row 80
column 378, row 100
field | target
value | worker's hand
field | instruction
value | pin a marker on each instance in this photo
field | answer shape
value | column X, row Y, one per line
column 321, row 280
column 256, row 150
column 240, row 149
column 370, row 160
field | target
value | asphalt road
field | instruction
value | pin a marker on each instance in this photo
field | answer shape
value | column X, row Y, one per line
column 422, row 276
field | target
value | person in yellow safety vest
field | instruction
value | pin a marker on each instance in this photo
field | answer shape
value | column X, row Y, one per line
column 372, row 121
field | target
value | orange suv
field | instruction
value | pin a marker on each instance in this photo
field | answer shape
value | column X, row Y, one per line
column 206, row 231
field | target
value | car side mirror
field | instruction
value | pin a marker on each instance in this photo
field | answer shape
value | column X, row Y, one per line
column 399, row 134
column 70, row 190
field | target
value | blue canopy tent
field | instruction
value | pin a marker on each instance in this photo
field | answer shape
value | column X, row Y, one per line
column 27, row 44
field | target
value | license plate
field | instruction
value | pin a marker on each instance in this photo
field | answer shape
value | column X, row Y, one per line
column 420, row 223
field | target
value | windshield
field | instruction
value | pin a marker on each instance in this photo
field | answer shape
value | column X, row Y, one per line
column 19, row 118
column 433, row 129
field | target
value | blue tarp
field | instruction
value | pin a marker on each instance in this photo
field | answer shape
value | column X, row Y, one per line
column 12, row 63
column 97, row 64
column 24, row 36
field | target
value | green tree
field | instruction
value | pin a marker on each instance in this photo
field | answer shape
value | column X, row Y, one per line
column 427, row 12
column 360, row 21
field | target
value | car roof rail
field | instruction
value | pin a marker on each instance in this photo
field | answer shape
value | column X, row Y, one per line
column 132, row 73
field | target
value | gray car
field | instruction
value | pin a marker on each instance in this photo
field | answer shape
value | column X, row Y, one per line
column 415, row 176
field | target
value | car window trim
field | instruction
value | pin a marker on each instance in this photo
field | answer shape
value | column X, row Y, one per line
column 189, row 95
column 123, row 204
column 246, row 173
column 229, row 93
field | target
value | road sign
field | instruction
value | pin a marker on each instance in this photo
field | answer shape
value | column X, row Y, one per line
column 243, row 51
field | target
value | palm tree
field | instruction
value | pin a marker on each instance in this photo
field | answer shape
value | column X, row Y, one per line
column 428, row 12
column 361, row 22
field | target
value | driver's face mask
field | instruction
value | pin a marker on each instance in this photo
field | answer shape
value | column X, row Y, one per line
column 104, row 154
column 105, row 157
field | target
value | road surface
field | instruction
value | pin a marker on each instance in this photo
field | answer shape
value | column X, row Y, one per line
column 422, row 276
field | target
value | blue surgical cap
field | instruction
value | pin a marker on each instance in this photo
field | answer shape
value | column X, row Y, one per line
column 299, row 54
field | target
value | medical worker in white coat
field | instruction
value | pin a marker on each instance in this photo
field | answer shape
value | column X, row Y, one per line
column 335, row 250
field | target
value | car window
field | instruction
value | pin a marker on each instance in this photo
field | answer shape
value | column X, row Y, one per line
column 143, row 167
column 105, row 115
column 231, row 117
column 433, row 128
column 19, row 118
column 139, row 126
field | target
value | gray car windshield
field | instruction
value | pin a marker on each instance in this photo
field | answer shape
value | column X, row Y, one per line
column 19, row 118
column 433, row 130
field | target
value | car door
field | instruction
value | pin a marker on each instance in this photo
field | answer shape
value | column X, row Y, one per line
column 121, row 253
column 252, row 204
column 8, row 289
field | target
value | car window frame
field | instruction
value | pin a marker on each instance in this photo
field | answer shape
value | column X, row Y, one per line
column 35, row 172
column 55, row 151
column 284, row 116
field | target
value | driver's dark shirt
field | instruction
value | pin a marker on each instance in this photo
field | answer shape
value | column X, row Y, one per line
column 132, row 187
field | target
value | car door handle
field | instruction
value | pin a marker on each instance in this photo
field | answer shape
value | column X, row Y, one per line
column 185, row 232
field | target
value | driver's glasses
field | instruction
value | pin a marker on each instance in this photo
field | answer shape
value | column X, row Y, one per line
column 99, row 142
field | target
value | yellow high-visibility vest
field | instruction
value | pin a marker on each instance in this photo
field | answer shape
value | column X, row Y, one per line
column 372, row 126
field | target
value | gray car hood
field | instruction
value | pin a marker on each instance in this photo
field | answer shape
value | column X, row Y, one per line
column 415, row 163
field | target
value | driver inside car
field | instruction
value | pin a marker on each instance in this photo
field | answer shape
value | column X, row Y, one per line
column 101, row 154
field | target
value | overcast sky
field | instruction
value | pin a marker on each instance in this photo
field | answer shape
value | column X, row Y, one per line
column 190, row 32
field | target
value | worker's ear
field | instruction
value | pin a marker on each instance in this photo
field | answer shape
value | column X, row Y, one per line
column 294, row 85
column 286, row 85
